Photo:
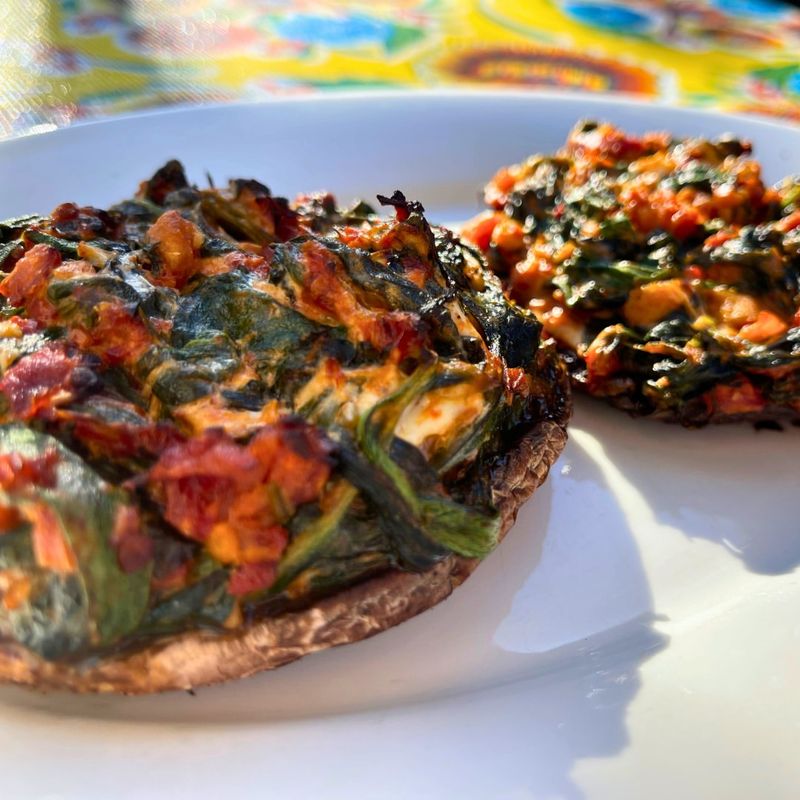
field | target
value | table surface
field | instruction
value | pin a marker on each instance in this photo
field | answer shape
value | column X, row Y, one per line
column 69, row 60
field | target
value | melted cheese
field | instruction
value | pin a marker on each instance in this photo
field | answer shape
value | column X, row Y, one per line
column 349, row 393
column 441, row 414
column 210, row 412
column 463, row 323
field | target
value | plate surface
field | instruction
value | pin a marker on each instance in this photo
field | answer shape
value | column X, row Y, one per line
column 635, row 635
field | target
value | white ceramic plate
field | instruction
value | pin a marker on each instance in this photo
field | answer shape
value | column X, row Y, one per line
column 636, row 634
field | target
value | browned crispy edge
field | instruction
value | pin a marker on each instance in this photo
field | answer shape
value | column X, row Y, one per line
column 201, row 658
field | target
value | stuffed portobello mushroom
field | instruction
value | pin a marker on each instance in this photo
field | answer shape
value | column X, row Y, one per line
column 666, row 270
column 235, row 430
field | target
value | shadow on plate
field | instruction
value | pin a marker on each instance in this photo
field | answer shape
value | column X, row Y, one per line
column 728, row 484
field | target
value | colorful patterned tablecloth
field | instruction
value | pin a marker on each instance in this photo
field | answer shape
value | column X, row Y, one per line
column 68, row 60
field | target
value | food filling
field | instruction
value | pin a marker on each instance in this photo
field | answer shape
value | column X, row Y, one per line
column 666, row 270
column 216, row 405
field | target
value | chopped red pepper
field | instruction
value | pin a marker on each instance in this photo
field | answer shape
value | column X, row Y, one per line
column 18, row 471
column 50, row 546
column 248, row 578
column 28, row 280
column 43, row 380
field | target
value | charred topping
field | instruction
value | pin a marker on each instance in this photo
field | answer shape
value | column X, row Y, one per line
column 403, row 208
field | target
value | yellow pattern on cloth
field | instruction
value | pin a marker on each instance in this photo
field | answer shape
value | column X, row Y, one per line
column 78, row 59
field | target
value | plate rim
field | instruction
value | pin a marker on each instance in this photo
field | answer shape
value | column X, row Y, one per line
column 405, row 94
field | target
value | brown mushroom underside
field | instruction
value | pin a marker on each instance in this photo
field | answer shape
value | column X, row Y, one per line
column 200, row 658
